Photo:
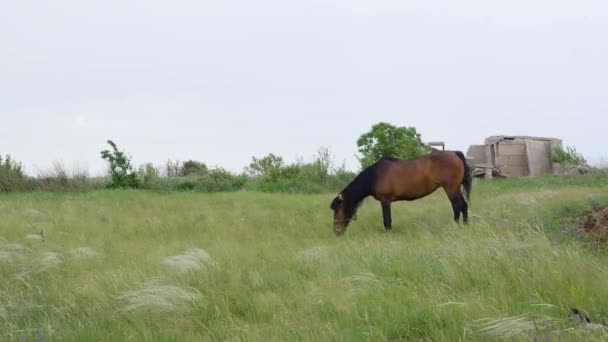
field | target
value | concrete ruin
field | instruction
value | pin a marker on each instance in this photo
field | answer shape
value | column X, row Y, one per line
column 514, row 156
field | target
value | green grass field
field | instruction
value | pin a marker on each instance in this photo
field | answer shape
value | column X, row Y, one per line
column 130, row 265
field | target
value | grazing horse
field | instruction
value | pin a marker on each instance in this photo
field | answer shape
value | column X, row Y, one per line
column 390, row 179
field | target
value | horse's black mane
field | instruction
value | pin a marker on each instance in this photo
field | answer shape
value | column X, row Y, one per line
column 358, row 189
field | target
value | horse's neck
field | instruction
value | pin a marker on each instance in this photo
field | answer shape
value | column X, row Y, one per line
column 360, row 196
column 360, row 187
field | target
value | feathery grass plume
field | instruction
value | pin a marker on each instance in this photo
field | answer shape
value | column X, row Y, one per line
column 313, row 253
column 50, row 259
column 31, row 213
column 12, row 247
column 34, row 237
column 83, row 252
column 153, row 295
column 514, row 326
column 192, row 260
column 6, row 257
column 9, row 250
column 362, row 282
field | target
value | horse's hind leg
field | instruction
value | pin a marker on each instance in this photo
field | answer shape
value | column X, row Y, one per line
column 456, row 207
column 386, row 214
column 459, row 205
column 465, row 210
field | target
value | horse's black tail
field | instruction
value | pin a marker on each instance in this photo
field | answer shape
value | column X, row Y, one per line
column 467, row 179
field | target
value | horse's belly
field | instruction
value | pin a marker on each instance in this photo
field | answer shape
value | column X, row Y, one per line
column 415, row 194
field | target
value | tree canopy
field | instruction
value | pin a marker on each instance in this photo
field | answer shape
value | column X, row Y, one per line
column 387, row 140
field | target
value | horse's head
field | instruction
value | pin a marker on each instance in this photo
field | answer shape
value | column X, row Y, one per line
column 341, row 218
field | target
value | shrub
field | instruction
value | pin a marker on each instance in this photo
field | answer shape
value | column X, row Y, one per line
column 12, row 175
column 265, row 166
column 121, row 171
column 219, row 179
column 192, row 167
column 172, row 169
column 148, row 174
column 215, row 180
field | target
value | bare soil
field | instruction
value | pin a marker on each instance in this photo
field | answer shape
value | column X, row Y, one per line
column 595, row 222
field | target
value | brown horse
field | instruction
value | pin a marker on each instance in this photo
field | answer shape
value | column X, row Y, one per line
column 391, row 179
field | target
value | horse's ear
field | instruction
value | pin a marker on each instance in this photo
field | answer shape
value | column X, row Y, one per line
column 336, row 201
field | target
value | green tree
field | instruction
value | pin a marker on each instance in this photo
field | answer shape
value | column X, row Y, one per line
column 386, row 140
column 121, row 171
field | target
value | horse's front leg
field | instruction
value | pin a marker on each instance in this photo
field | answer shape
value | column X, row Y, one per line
column 386, row 214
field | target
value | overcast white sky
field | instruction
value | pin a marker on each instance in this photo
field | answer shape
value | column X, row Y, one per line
column 222, row 81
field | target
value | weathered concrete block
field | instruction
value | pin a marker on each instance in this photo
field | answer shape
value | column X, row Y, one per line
column 515, row 160
column 511, row 148
column 517, row 155
column 555, row 143
column 477, row 153
column 539, row 157
column 568, row 170
column 514, row 170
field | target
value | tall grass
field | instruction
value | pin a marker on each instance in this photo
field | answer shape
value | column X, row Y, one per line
column 59, row 178
column 258, row 266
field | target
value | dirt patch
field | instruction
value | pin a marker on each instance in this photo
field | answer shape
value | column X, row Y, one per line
column 595, row 222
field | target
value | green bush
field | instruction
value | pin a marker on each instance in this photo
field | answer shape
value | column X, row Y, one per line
column 193, row 167
column 12, row 176
column 267, row 174
column 172, row 169
column 568, row 156
column 219, row 179
column 265, row 166
column 215, row 180
column 272, row 175
column 147, row 174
